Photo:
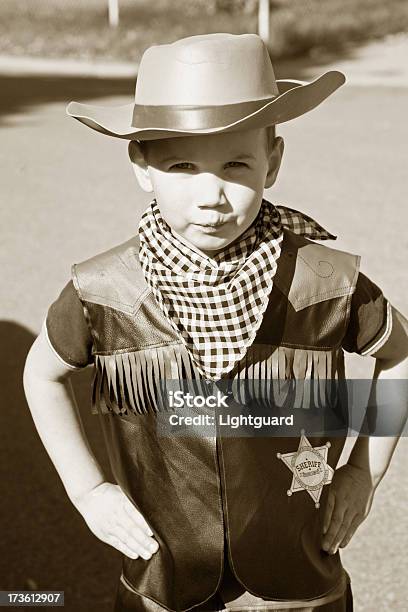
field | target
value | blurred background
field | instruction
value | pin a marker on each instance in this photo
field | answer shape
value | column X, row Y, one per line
column 122, row 29
column 69, row 192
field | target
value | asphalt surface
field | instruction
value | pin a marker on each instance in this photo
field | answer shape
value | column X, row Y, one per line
column 68, row 193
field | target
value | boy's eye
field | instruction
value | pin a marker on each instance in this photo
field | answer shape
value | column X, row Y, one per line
column 182, row 166
column 190, row 166
column 235, row 164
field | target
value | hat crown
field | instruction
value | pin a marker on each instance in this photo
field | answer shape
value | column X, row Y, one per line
column 212, row 69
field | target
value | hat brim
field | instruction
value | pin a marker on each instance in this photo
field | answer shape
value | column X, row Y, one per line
column 295, row 99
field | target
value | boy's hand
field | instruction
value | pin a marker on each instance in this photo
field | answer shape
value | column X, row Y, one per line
column 349, row 501
column 112, row 517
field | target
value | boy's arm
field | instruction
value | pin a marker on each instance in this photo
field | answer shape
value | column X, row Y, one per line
column 106, row 509
column 53, row 407
column 351, row 497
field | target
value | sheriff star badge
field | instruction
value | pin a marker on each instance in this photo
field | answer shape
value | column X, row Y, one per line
column 309, row 468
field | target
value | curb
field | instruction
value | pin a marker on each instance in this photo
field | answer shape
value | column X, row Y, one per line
column 26, row 66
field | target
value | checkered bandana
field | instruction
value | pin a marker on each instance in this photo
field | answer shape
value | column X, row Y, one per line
column 216, row 304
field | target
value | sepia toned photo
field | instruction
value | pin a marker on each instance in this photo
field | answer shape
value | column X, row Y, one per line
column 204, row 308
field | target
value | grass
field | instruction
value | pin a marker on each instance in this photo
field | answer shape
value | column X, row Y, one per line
column 79, row 29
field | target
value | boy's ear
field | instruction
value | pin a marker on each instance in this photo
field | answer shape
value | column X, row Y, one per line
column 139, row 166
column 274, row 160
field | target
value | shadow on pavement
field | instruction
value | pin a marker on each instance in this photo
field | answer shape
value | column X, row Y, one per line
column 45, row 543
column 20, row 93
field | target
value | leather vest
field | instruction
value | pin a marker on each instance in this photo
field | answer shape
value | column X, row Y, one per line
column 196, row 492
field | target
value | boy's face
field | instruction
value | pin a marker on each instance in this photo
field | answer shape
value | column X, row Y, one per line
column 209, row 188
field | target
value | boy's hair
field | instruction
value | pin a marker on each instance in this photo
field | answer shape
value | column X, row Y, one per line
column 270, row 135
column 270, row 132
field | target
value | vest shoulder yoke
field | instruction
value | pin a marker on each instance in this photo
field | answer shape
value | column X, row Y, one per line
column 321, row 272
column 113, row 278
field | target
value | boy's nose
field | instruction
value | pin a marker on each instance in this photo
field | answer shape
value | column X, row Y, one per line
column 210, row 191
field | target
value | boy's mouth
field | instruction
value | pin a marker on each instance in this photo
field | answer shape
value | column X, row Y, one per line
column 211, row 224
column 211, row 227
column 217, row 223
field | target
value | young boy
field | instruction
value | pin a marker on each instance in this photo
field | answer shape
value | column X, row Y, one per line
column 218, row 285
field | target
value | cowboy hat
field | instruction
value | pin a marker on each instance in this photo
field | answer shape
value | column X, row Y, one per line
column 207, row 84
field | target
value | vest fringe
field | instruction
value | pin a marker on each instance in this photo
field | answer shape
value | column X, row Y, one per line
column 126, row 382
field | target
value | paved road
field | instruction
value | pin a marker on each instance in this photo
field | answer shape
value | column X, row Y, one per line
column 69, row 192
